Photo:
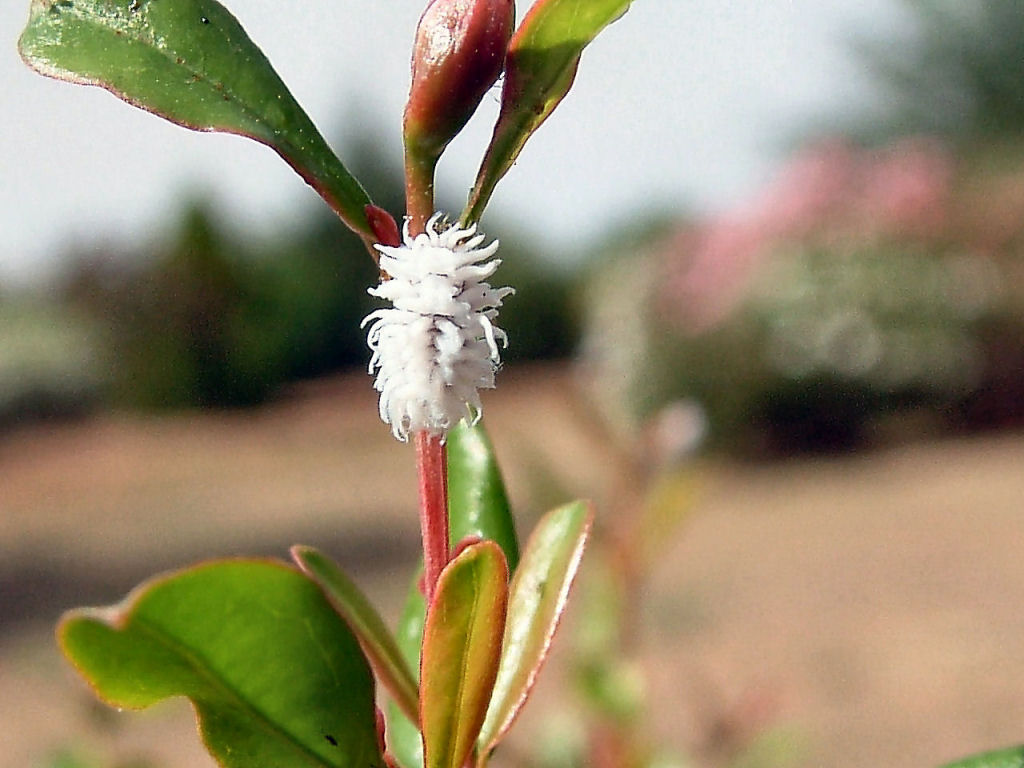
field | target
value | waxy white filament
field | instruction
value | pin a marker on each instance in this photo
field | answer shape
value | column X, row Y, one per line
column 437, row 346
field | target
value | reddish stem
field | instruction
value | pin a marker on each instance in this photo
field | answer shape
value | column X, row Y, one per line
column 419, row 190
column 431, row 457
column 431, row 464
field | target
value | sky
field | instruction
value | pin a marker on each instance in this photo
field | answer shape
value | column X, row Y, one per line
column 681, row 104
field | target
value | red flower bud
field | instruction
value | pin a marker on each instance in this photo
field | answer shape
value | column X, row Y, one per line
column 458, row 55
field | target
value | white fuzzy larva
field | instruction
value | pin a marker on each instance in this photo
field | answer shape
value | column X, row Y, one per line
column 437, row 345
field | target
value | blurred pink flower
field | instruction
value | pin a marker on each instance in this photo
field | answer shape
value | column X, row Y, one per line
column 906, row 189
column 811, row 189
column 832, row 192
column 707, row 270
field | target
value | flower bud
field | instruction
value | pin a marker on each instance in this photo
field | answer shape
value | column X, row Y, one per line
column 458, row 54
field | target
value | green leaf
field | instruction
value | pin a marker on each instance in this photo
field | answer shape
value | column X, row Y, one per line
column 461, row 650
column 403, row 735
column 537, row 599
column 478, row 507
column 276, row 677
column 190, row 62
column 477, row 501
column 540, row 67
column 376, row 640
column 1000, row 758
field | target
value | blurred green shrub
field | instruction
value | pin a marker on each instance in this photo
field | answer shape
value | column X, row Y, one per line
column 217, row 320
column 957, row 73
column 865, row 287
column 213, row 321
column 50, row 361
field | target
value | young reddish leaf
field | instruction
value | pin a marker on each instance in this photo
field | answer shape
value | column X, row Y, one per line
column 384, row 226
column 190, row 62
column 275, row 676
column 376, row 640
column 539, row 70
column 461, row 649
column 537, row 599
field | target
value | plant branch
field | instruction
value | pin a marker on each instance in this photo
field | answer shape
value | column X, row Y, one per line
column 431, row 456
column 432, row 468
column 419, row 189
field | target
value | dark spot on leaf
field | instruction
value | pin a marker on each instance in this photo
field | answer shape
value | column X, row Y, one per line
column 135, row 5
column 179, row 61
column 204, row 20
column 331, row 740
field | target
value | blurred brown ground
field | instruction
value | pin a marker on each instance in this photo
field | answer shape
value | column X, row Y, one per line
column 870, row 605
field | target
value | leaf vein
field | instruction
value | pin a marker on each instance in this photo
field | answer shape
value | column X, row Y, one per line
column 201, row 667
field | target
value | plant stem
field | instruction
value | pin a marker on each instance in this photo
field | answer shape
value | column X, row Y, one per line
column 432, row 467
column 431, row 456
column 419, row 189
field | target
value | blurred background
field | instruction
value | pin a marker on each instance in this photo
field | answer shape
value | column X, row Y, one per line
column 769, row 314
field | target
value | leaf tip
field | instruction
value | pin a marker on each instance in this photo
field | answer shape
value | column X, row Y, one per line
column 301, row 553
